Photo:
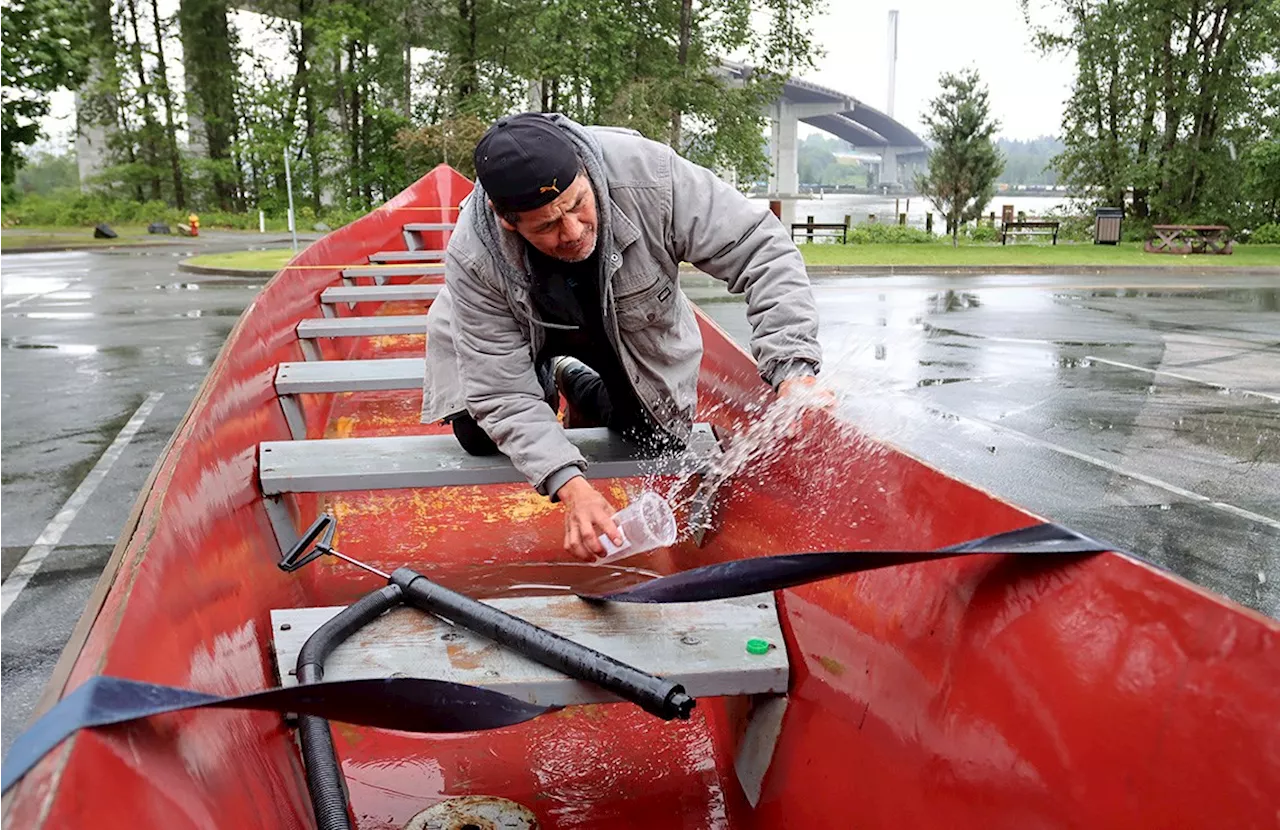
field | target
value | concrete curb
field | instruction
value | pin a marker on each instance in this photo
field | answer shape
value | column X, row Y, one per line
column 214, row 271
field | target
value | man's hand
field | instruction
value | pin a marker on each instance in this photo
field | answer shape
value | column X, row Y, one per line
column 587, row 515
column 805, row 389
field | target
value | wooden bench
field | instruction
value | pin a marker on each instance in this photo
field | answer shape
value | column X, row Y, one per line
column 392, row 324
column 381, row 272
column 392, row 462
column 831, row 229
column 352, row 294
column 317, row 377
column 406, row 256
column 1029, row 227
column 698, row 644
column 411, row 461
column 1189, row 239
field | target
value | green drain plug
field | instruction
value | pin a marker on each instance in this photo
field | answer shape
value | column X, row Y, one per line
column 756, row 645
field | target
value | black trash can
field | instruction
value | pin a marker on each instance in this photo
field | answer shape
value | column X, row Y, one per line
column 1106, row 225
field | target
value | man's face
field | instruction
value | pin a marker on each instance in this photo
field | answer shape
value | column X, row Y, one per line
column 564, row 229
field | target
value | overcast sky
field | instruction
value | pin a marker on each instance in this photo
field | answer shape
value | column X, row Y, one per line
column 1028, row 90
column 934, row 36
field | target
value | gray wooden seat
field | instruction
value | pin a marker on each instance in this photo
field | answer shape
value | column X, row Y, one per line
column 699, row 645
column 314, row 327
column 317, row 327
column 420, row 227
column 407, row 256
column 386, row 463
column 327, row 376
column 381, row 272
column 379, row 293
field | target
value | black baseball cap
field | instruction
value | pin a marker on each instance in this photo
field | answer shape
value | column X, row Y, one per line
column 524, row 162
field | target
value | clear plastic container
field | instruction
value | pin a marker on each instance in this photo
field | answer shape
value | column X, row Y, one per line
column 645, row 524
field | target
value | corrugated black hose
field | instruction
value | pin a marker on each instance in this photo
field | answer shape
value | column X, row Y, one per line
column 324, row 775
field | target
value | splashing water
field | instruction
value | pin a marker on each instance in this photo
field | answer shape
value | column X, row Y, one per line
column 866, row 412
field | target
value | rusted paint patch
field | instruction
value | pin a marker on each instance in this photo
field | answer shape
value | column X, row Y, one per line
column 832, row 665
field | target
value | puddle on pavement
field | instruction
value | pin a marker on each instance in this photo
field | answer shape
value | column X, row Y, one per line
column 75, row 349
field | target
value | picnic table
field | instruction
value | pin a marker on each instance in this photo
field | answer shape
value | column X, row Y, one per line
column 1189, row 239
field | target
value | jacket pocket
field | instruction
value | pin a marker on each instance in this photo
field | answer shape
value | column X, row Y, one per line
column 650, row 306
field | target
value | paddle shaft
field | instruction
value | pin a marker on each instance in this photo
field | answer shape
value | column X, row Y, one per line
column 660, row 697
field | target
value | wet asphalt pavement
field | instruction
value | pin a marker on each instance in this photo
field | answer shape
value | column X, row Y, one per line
column 1143, row 410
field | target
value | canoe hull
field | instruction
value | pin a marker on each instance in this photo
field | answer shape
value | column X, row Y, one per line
column 975, row 692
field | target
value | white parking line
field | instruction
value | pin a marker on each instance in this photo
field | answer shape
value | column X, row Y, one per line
column 1107, row 465
column 1273, row 398
column 52, row 533
column 37, row 295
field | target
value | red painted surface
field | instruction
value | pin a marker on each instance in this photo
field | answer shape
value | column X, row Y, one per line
column 977, row 692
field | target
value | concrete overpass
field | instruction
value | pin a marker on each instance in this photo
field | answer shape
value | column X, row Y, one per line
column 865, row 127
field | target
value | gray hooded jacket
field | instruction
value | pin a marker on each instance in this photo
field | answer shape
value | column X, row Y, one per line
column 655, row 210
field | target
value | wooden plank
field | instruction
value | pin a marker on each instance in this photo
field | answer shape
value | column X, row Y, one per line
column 421, row 227
column 390, row 462
column 701, row 645
column 362, row 326
column 407, row 256
column 380, row 293
column 423, row 270
column 319, row 376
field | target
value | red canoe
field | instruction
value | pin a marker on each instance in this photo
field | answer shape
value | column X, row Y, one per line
column 980, row 691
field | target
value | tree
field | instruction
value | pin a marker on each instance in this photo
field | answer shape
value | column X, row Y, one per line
column 964, row 164
column 1164, row 104
column 39, row 58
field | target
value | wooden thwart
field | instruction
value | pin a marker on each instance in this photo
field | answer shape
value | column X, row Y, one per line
column 362, row 326
column 320, row 376
column 700, row 645
column 407, row 256
column 391, row 462
column 425, row 269
column 380, row 293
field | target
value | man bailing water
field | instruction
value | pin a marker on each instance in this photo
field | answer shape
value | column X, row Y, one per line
column 561, row 278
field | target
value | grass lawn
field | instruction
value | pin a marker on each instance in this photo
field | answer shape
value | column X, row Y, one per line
column 272, row 259
column 935, row 254
column 942, row 254
column 35, row 236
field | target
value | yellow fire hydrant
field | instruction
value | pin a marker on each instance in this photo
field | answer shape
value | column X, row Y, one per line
column 194, row 221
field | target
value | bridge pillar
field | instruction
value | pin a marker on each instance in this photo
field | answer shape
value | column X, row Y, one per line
column 784, row 177
column 889, row 167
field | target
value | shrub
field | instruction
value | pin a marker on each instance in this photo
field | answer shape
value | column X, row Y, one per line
column 1268, row 234
column 872, row 234
column 981, row 233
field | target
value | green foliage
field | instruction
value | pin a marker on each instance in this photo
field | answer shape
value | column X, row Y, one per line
column 449, row 142
column 46, row 173
column 964, row 163
column 1168, row 95
column 981, row 232
column 1268, row 234
column 38, row 58
column 1262, row 179
column 870, row 233
column 819, row 165
column 1029, row 162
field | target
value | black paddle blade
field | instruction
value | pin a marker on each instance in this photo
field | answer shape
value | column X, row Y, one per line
column 743, row 577
column 406, row 703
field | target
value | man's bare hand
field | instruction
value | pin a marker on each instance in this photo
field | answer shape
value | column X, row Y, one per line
column 587, row 515
column 805, row 389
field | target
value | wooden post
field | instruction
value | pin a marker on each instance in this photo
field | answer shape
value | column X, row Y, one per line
column 902, row 219
column 992, row 219
column 897, row 208
column 1006, row 214
column 928, row 222
column 871, row 218
column 848, row 221
column 809, row 235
